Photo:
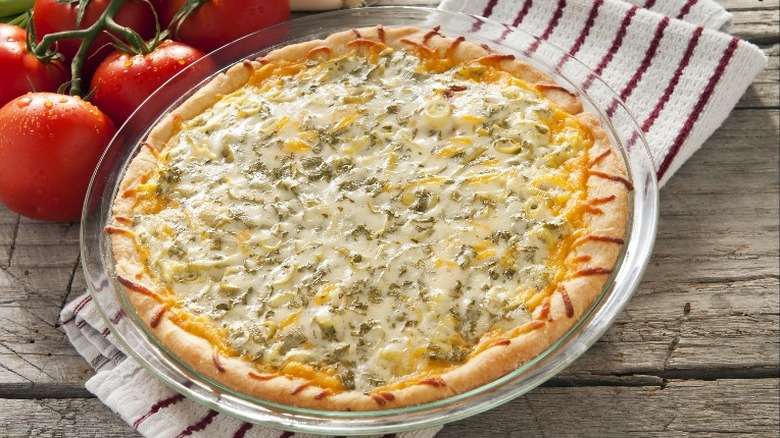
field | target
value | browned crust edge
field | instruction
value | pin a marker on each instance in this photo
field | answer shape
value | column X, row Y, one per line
column 566, row 306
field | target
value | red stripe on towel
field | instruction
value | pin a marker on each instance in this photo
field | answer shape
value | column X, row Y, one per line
column 81, row 305
column 77, row 308
column 643, row 66
column 243, row 430
column 518, row 18
column 162, row 404
column 592, row 15
column 617, row 42
column 485, row 13
column 693, row 116
column 632, row 140
column 551, row 25
column 647, row 60
column 98, row 362
column 692, row 42
column 200, row 425
column 488, row 11
column 523, row 12
column 117, row 317
column 686, row 9
column 556, row 18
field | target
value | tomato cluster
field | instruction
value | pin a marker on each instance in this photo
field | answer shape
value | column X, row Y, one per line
column 50, row 142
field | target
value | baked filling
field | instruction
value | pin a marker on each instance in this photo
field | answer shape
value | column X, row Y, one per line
column 366, row 220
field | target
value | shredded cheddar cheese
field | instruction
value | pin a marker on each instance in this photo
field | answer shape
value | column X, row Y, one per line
column 366, row 221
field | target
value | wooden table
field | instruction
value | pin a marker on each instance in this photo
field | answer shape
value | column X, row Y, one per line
column 695, row 351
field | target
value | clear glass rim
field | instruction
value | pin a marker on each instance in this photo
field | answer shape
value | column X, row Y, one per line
column 622, row 283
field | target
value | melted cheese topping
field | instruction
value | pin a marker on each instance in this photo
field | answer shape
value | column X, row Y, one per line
column 365, row 218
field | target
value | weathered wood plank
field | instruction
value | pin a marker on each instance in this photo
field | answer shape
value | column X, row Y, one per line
column 424, row 3
column 35, row 356
column 679, row 408
column 8, row 226
column 730, row 326
column 739, row 6
column 719, row 212
column 707, row 307
column 759, row 26
column 690, row 329
column 764, row 92
column 740, row 157
column 718, row 233
column 678, row 329
column 45, row 244
column 86, row 417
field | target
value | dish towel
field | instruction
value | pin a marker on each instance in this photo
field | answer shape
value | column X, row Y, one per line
column 146, row 404
column 678, row 73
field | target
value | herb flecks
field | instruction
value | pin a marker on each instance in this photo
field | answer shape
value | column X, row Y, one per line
column 369, row 216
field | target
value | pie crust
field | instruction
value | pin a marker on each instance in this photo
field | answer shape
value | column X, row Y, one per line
column 600, row 205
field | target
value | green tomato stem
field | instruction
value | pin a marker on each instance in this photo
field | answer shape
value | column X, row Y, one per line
column 105, row 23
column 87, row 36
column 135, row 40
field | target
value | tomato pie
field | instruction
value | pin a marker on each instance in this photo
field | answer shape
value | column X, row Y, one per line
column 381, row 218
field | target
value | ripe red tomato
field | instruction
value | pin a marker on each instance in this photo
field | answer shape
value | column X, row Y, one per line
column 218, row 22
column 50, row 16
column 164, row 12
column 22, row 71
column 121, row 82
column 49, row 147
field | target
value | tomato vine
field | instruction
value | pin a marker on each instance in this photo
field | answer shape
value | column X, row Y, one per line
column 87, row 36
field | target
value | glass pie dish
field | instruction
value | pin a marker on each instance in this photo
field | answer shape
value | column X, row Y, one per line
column 134, row 339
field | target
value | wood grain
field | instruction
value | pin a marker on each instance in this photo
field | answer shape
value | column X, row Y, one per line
column 759, row 25
column 763, row 92
column 695, row 352
column 677, row 408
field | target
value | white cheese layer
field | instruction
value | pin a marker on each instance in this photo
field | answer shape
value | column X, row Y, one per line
column 369, row 218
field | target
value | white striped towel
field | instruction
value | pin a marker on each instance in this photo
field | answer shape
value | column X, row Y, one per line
column 677, row 72
column 143, row 402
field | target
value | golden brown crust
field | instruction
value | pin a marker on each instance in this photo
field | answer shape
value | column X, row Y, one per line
column 596, row 251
